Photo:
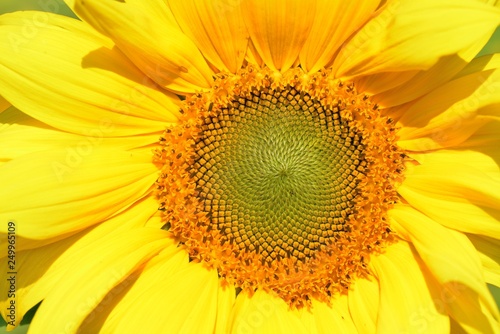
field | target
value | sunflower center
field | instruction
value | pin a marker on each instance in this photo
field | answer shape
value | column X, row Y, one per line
column 280, row 182
column 277, row 173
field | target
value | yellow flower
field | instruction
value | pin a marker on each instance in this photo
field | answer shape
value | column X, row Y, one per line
column 251, row 166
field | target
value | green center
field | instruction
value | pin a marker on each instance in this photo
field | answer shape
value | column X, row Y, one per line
column 277, row 173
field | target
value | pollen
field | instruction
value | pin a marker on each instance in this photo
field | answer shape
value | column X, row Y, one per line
column 281, row 182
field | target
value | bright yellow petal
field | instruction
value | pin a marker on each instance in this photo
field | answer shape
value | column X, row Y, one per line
column 455, row 195
column 451, row 113
column 484, row 140
column 453, row 261
column 21, row 134
column 217, row 29
column 334, row 318
column 335, row 21
column 59, row 192
column 225, row 301
column 170, row 294
column 405, row 294
column 39, row 268
column 413, row 35
column 364, row 304
column 484, row 158
column 98, row 270
column 263, row 313
column 144, row 31
column 410, row 86
column 489, row 254
column 278, row 29
column 86, row 74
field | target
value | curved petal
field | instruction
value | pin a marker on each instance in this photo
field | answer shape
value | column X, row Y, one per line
column 4, row 104
column 225, row 301
column 334, row 318
column 41, row 268
column 263, row 313
column 71, row 189
column 414, row 84
column 410, row 35
column 489, row 254
column 364, row 304
column 146, row 33
column 484, row 158
column 466, row 199
column 88, row 86
column 217, row 29
column 170, row 295
column 453, row 262
column 335, row 21
column 452, row 113
column 21, row 134
column 88, row 280
column 406, row 299
column 278, row 29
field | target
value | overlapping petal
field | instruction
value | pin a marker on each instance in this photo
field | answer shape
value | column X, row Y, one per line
column 146, row 32
column 409, row 35
column 457, row 195
column 77, row 80
column 364, row 299
column 217, row 29
column 87, row 281
column 60, row 192
column 169, row 293
column 405, row 294
column 334, row 22
column 39, row 269
column 489, row 253
column 279, row 29
column 453, row 262
column 263, row 313
column 453, row 112
column 21, row 134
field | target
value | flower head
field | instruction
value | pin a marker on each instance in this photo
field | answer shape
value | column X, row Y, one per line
column 252, row 166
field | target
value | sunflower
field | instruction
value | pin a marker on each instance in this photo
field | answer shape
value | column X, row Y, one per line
column 251, row 167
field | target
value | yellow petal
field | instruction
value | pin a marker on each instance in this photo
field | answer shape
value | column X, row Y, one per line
column 453, row 262
column 253, row 56
column 451, row 113
column 406, row 300
column 4, row 104
column 86, row 74
column 334, row 318
column 170, row 295
column 59, row 192
column 410, row 35
column 484, row 63
column 39, row 268
column 225, row 302
column 484, row 140
column 335, row 21
column 278, row 29
column 465, row 199
column 263, row 313
column 21, row 134
column 364, row 304
column 144, row 31
column 489, row 254
column 98, row 270
column 409, row 87
column 217, row 29
column 484, row 158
